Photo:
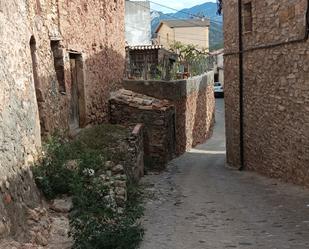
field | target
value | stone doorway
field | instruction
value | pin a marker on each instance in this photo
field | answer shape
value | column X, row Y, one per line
column 77, row 100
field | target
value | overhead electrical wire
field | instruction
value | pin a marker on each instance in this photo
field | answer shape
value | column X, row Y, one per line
column 181, row 11
column 171, row 15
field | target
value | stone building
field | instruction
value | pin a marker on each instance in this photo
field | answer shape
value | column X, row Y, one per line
column 59, row 61
column 267, row 86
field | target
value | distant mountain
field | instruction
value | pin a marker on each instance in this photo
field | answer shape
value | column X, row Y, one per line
column 208, row 10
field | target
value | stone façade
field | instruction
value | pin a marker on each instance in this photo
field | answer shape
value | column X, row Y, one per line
column 35, row 99
column 276, row 87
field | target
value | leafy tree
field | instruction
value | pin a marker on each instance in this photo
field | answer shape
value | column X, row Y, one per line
column 195, row 61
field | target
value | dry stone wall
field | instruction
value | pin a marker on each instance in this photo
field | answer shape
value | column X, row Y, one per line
column 135, row 155
column 158, row 118
column 195, row 113
column 32, row 100
column 276, row 86
column 194, row 102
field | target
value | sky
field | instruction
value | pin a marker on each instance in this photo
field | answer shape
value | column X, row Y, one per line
column 177, row 4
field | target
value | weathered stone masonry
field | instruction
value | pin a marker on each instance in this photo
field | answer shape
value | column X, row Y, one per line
column 194, row 105
column 276, row 87
column 42, row 44
column 158, row 118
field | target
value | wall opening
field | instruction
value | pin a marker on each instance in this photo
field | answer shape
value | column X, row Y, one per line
column 216, row 77
column 248, row 20
column 36, row 79
column 35, row 68
column 59, row 64
column 77, row 101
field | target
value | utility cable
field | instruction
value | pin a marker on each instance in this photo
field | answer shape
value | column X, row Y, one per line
column 181, row 11
column 171, row 15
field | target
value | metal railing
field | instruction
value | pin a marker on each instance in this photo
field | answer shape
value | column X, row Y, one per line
column 170, row 71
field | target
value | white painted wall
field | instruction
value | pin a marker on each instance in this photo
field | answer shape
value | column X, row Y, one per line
column 138, row 23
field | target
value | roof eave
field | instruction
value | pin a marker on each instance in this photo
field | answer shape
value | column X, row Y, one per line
column 159, row 27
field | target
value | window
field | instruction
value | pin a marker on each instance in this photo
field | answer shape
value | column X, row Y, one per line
column 247, row 15
column 58, row 64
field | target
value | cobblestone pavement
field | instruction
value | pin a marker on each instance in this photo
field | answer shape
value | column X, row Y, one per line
column 200, row 204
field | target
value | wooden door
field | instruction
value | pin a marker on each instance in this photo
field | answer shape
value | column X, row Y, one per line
column 74, row 105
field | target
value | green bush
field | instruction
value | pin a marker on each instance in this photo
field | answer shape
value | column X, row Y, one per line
column 96, row 233
column 96, row 224
column 96, row 221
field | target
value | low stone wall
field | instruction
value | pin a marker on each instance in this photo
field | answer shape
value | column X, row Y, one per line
column 18, row 193
column 158, row 118
column 135, row 155
column 194, row 102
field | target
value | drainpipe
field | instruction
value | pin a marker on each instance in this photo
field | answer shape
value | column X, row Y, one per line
column 241, row 87
column 307, row 22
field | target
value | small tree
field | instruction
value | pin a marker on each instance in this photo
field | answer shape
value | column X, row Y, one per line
column 195, row 61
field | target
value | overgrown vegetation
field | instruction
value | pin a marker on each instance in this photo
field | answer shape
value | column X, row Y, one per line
column 191, row 61
column 97, row 225
column 75, row 168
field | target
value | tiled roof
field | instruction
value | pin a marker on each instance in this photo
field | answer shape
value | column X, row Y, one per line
column 140, row 101
column 144, row 47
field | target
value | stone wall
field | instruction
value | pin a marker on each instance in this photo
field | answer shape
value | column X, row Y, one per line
column 276, row 85
column 95, row 29
column 135, row 153
column 195, row 106
column 158, row 118
column 31, row 91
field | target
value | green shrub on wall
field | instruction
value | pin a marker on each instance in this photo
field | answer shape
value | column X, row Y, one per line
column 192, row 61
column 77, row 168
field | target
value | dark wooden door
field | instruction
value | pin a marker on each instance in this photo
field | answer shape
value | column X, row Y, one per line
column 74, row 108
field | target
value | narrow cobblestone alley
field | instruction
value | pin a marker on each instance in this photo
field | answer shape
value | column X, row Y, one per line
column 199, row 203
